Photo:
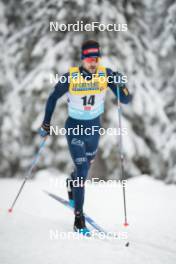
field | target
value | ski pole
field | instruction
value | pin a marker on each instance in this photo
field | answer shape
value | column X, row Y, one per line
column 29, row 173
column 122, row 156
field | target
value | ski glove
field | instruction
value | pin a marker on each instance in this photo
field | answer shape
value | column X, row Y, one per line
column 44, row 130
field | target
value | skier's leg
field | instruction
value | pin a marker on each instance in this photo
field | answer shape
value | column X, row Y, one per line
column 78, row 154
column 82, row 169
column 83, row 151
column 80, row 150
column 79, row 189
column 91, row 144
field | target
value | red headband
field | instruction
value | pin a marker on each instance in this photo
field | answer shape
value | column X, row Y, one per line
column 91, row 50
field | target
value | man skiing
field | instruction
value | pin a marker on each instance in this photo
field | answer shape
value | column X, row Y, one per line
column 85, row 96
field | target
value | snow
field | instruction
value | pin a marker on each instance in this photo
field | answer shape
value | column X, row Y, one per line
column 25, row 234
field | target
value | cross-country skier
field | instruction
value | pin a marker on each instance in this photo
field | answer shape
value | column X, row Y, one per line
column 86, row 88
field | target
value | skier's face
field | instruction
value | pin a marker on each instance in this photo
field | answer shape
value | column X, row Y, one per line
column 91, row 64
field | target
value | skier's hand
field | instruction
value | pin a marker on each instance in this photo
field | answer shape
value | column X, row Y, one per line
column 44, row 130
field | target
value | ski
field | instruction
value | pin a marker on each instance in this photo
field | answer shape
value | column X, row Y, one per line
column 88, row 219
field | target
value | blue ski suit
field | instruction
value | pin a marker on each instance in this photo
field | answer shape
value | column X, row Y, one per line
column 83, row 147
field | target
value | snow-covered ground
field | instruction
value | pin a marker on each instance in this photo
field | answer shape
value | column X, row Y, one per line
column 25, row 234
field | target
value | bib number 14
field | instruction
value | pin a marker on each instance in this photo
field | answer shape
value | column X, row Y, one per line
column 88, row 100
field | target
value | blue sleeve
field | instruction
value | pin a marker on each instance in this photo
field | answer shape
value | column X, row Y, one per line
column 59, row 90
column 113, row 82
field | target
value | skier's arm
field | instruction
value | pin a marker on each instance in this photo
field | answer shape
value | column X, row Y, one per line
column 59, row 90
column 125, row 96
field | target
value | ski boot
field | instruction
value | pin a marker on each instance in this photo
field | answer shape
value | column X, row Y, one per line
column 79, row 224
